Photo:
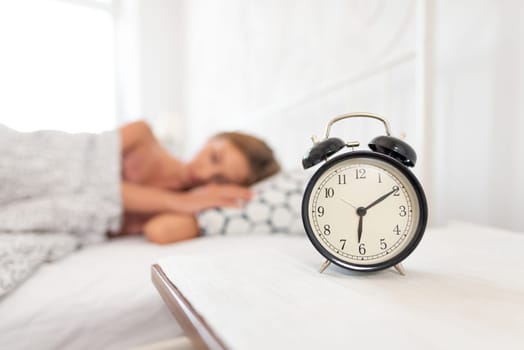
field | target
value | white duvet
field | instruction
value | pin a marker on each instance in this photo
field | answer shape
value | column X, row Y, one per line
column 58, row 191
column 100, row 297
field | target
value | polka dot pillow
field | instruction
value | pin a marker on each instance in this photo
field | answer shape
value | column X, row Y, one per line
column 275, row 208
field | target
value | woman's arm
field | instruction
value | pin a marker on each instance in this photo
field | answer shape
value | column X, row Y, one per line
column 171, row 228
column 150, row 200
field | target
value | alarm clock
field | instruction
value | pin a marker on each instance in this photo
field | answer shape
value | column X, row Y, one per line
column 363, row 210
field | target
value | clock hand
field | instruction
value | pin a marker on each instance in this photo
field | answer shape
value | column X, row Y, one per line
column 361, row 211
column 359, row 231
column 345, row 201
column 381, row 198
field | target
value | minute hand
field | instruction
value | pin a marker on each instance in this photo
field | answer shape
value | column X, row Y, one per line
column 381, row 198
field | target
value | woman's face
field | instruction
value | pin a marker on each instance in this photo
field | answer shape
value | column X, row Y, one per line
column 219, row 161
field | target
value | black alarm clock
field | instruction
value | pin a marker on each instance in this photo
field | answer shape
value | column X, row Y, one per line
column 363, row 210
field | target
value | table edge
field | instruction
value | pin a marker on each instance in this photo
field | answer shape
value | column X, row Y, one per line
column 193, row 324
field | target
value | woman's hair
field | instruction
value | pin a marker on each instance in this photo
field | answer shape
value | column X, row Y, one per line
column 260, row 157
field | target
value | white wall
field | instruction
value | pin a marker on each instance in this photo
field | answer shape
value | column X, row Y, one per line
column 479, row 111
column 282, row 69
column 150, row 62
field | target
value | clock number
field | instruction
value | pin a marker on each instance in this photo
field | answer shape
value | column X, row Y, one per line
column 327, row 230
column 341, row 179
column 379, row 178
column 330, row 192
column 396, row 193
column 403, row 211
column 360, row 173
column 396, row 230
column 383, row 244
column 320, row 211
column 362, row 248
column 343, row 241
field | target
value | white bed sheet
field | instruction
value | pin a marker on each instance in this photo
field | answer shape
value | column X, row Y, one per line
column 100, row 297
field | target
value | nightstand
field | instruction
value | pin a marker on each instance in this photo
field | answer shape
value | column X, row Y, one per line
column 265, row 292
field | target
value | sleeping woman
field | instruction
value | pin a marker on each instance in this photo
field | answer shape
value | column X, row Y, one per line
column 161, row 194
column 121, row 182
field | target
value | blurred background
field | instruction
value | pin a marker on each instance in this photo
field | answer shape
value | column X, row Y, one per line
column 447, row 74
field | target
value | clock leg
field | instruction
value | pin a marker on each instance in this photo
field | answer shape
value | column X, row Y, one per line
column 324, row 266
column 400, row 269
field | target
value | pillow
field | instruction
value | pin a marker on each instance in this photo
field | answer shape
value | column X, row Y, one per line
column 275, row 208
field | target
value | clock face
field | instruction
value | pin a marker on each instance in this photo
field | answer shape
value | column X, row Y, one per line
column 365, row 211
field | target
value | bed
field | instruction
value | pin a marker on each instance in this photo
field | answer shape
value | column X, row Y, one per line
column 99, row 297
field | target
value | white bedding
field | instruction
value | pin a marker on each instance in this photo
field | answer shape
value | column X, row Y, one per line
column 100, row 297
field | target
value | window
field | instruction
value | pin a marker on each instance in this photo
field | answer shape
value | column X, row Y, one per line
column 57, row 65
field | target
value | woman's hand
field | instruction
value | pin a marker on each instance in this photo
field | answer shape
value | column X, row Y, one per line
column 213, row 196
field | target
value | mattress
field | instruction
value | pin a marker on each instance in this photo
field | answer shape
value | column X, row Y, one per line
column 100, row 297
